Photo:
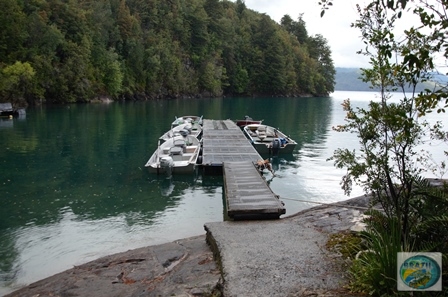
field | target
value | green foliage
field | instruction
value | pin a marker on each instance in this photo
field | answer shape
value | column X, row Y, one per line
column 346, row 243
column 388, row 165
column 16, row 82
column 14, row 74
column 156, row 49
column 296, row 28
column 321, row 52
column 13, row 31
column 423, row 48
column 241, row 80
column 325, row 5
column 429, row 206
column 112, row 75
column 210, row 79
column 374, row 269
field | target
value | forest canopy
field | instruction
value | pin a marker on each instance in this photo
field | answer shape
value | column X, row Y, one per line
column 61, row 51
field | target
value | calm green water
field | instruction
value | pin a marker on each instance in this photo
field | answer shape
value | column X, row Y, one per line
column 73, row 186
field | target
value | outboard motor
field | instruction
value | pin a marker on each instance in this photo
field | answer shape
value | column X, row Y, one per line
column 276, row 144
column 167, row 163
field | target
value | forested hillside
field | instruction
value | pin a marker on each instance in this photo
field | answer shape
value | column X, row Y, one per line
column 349, row 79
column 60, row 51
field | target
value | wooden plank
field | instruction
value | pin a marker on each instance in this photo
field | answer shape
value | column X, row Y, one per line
column 247, row 193
column 223, row 141
column 226, row 150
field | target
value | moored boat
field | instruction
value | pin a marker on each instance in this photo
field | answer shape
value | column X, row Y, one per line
column 177, row 155
column 193, row 129
column 269, row 140
column 6, row 110
column 247, row 121
column 193, row 120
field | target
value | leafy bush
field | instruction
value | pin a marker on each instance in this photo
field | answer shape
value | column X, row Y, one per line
column 374, row 269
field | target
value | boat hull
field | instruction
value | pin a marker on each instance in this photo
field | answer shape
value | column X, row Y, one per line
column 247, row 121
column 6, row 110
column 187, row 169
column 242, row 123
column 268, row 140
column 177, row 155
column 264, row 148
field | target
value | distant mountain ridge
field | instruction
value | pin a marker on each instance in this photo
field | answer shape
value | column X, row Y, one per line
column 348, row 79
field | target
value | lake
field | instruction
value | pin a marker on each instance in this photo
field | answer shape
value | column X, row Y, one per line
column 74, row 187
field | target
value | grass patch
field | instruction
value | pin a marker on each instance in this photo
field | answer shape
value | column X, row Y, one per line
column 345, row 243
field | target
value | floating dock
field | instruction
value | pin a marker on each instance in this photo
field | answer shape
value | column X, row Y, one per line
column 227, row 151
column 223, row 141
column 248, row 194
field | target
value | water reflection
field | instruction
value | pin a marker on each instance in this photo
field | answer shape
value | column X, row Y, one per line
column 166, row 187
column 6, row 123
column 70, row 241
column 173, row 186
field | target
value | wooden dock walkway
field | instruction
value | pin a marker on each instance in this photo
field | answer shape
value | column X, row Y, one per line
column 248, row 194
column 223, row 141
column 227, row 151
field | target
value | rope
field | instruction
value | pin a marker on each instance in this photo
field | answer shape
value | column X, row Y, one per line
column 331, row 204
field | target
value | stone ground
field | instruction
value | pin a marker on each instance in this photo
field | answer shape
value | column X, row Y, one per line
column 285, row 257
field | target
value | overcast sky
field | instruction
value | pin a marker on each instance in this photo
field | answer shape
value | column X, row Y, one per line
column 343, row 40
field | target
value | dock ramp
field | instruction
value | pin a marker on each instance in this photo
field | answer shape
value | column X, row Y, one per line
column 247, row 193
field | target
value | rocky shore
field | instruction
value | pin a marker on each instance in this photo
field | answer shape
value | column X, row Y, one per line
column 285, row 257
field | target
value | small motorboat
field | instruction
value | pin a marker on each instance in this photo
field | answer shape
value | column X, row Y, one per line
column 6, row 110
column 247, row 121
column 177, row 155
column 193, row 129
column 269, row 140
column 193, row 120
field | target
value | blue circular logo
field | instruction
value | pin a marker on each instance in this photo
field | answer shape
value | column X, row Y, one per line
column 420, row 272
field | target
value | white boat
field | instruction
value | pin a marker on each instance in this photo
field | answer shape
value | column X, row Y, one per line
column 269, row 140
column 187, row 119
column 193, row 129
column 177, row 155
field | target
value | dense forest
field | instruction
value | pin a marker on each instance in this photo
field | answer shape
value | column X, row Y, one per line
column 60, row 51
